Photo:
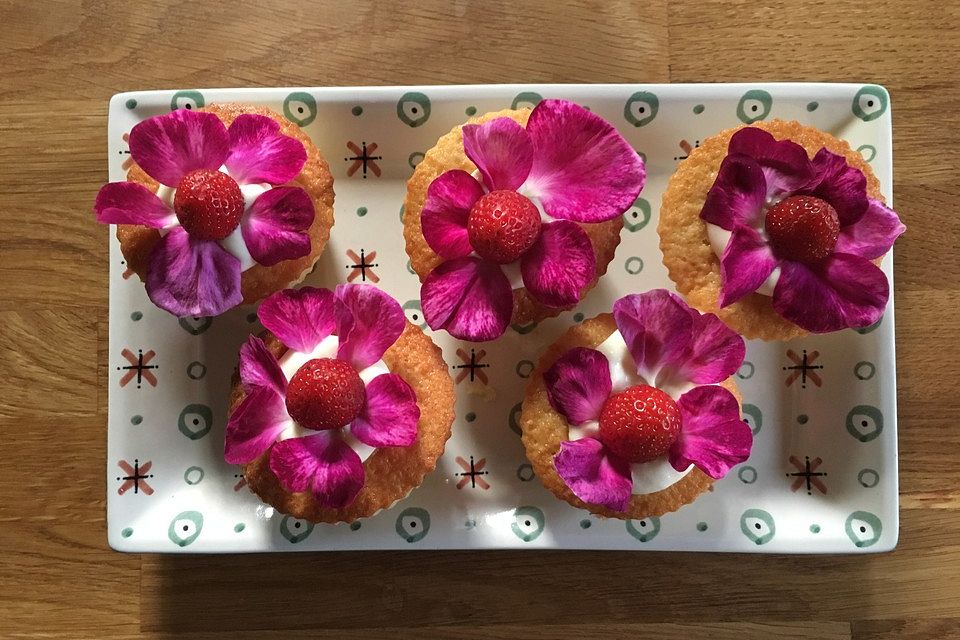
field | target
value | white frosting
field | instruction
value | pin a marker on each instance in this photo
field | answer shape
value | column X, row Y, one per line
column 293, row 360
column 720, row 238
column 233, row 243
column 648, row 477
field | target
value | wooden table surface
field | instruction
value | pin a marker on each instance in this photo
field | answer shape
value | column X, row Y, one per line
column 59, row 64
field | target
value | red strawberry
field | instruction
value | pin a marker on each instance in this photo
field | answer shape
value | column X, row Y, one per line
column 208, row 204
column 639, row 424
column 325, row 394
column 802, row 228
column 502, row 225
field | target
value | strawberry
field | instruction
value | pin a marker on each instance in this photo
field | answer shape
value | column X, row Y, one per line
column 325, row 394
column 802, row 228
column 639, row 424
column 208, row 204
column 502, row 225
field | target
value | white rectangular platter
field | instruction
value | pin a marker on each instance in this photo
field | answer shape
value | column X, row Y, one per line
column 822, row 477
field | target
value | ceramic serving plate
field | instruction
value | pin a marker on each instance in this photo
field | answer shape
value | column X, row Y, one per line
column 822, row 477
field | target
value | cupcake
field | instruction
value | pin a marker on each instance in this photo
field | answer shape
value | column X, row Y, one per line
column 342, row 406
column 224, row 205
column 778, row 228
column 514, row 216
column 635, row 414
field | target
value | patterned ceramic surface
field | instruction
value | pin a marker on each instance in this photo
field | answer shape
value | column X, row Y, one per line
column 823, row 474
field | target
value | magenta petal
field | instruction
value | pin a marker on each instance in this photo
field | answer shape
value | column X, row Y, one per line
column 255, row 425
column 737, row 195
column 190, row 277
column 323, row 463
column 593, row 474
column 275, row 227
column 559, row 264
column 583, row 170
column 746, row 263
column 785, row 165
column 259, row 368
column 874, row 232
column 578, row 384
column 132, row 203
column 843, row 186
column 168, row 147
column 444, row 217
column 845, row 291
column 389, row 415
column 715, row 352
column 470, row 298
column 502, row 151
column 369, row 321
column 260, row 153
column 299, row 318
column 657, row 328
column 712, row 436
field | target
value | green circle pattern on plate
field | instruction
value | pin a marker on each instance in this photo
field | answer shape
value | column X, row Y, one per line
column 758, row 525
column 195, row 421
column 645, row 529
column 641, row 108
column 528, row 523
column 637, row 216
column 193, row 475
column 870, row 102
column 413, row 524
column 868, row 478
column 754, row 105
column 863, row 528
column 300, row 108
column 188, row 99
column 185, row 528
column 526, row 100
column 865, row 422
column 753, row 417
column 295, row 530
column 747, row 474
column 413, row 108
column 864, row 370
column 633, row 265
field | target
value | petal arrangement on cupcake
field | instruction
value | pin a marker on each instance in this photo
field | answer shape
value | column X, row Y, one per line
column 533, row 189
column 658, row 401
column 220, row 208
column 340, row 402
column 804, row 230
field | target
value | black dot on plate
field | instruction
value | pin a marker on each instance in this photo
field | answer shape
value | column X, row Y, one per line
column 526, row 522
column 413, row 525
column 756, row 526
column 754, row 108
column 416, row 317
column 869, row 103
column 641, row 109
column 635, row 214
column 196, row 421
column 413, row 110
column 188, row 106
column 863, row 529
column 186, row 527
column 299, row 109
column 863, row 423
column 296, row 525
column 643, row 523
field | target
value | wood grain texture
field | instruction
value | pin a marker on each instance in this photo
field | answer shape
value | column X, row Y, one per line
column 61, row 63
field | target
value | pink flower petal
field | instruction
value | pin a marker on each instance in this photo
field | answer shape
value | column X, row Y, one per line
column 259, row 368
column 737, row 195
column 657, row 328
column 255, row 425
column 843, row 186
column 132, row 203
column 369, row 321
column 444, row 217
column 746, row 263
column 578, row 384
column 714, row 354
column 583, row 170
column 712, row 436
column 260, row 153
column 470, row 298
column 593, row 474
column 275, row 227
column 873, row 234
column 844, row 291
column 502, row 151
column 323, row 463
column 785, row 165
column 390, row 413
column 190, row 277
column 559, row 265
column 299, row 318
column 168, row 147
